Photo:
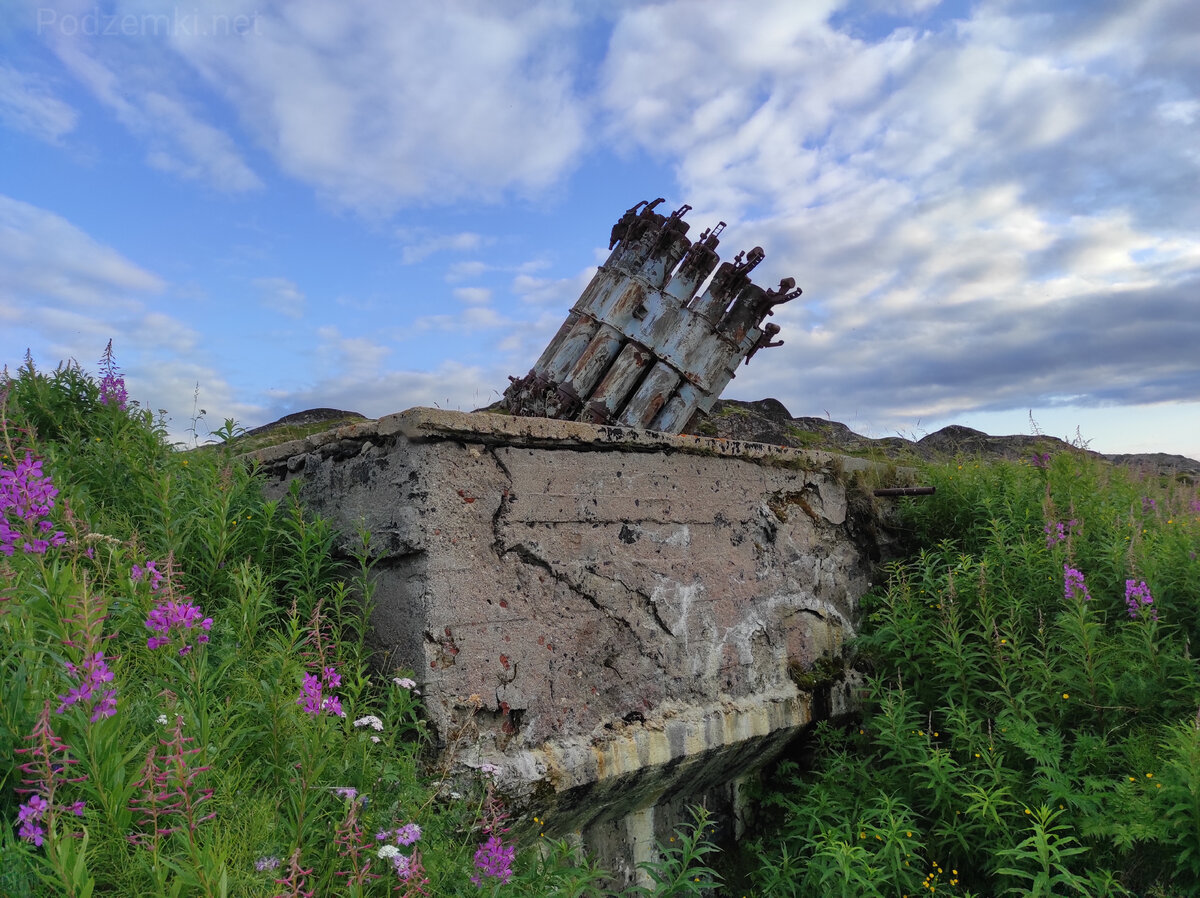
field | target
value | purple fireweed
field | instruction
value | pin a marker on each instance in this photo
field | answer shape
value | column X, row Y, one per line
column 112, row 383
column 150, row 572
column 351, row 842
column 168, row 797
column 94, row 676
column 1058, row 531
column 1138, row 600
column 26, row 500
column 43, row 775
column 30, row 815
column 170, row 617
column 493, row 858
column 92, row 673
column 296, row 879
column 1040, row 460
column 411, row 873
column 1073, row 585
column 312, row 694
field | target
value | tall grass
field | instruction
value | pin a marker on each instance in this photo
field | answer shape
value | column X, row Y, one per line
column 1031, row 715
column 186, row 704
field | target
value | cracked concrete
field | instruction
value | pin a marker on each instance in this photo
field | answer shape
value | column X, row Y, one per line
column 613, row 616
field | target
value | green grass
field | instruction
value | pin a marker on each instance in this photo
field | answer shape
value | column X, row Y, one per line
column 1014, row 738
column 255, row 751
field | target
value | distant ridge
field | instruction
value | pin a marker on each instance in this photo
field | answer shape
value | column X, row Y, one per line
column 769, row 421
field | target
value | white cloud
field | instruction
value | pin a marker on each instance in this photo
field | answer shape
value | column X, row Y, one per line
column 28, row 104
column 379, row 105
column 177, row 139
column 281, row 295
column 420, row 245
column 473, row 296
column 962, row 204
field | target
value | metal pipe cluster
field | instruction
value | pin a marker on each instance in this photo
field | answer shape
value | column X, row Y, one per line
column 642, row 346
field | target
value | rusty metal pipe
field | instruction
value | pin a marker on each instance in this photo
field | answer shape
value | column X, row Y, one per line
column 622, row 377
column 645, row 404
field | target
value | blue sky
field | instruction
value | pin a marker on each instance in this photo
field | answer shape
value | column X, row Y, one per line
column 272, row 205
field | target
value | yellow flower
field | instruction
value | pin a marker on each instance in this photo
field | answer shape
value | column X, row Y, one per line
column 1149, row 775
column 1066, row 695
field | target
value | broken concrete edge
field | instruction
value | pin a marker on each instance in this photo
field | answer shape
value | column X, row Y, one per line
column 423, row 424
column 684, row 743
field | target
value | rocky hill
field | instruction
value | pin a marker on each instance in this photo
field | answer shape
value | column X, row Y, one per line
column 769, row 421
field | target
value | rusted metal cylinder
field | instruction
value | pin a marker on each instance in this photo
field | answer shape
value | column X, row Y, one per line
column 639, row 242
column 747, row 310
column 622, row 301
column 642, row 343
column 618, row 383
column 725, row 285
column 678, row 410
column 670, row 247
column 696, row 267
column 650, row 397
column 555, row 343
column 573, row 346
column 595, row 360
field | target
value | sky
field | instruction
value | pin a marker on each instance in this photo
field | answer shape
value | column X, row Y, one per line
column 275, row 205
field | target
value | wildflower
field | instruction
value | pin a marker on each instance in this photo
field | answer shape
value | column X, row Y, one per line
column 296, row 878
column 26, row 499
column 161, row 720
column 93, row 674
column 387, row 851
column 1138, row 599
column 407, row 683
column 1073, row 585
column 266, row 863
column 347, row 792
column 171, row 616
column 137, row 573
column 170, row 798
column 30, row 815
column 43, row 775
column 112, row 384
column 312, row 694
column 408, row 834
column 494, row 859
column 493, row 770
column 1040, row 460
column 1057, row 532
column 370, row 721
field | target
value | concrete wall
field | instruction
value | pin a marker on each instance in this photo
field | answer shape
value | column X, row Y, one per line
column 625, row 622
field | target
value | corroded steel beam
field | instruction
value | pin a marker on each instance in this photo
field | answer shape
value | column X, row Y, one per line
column 643, row 346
